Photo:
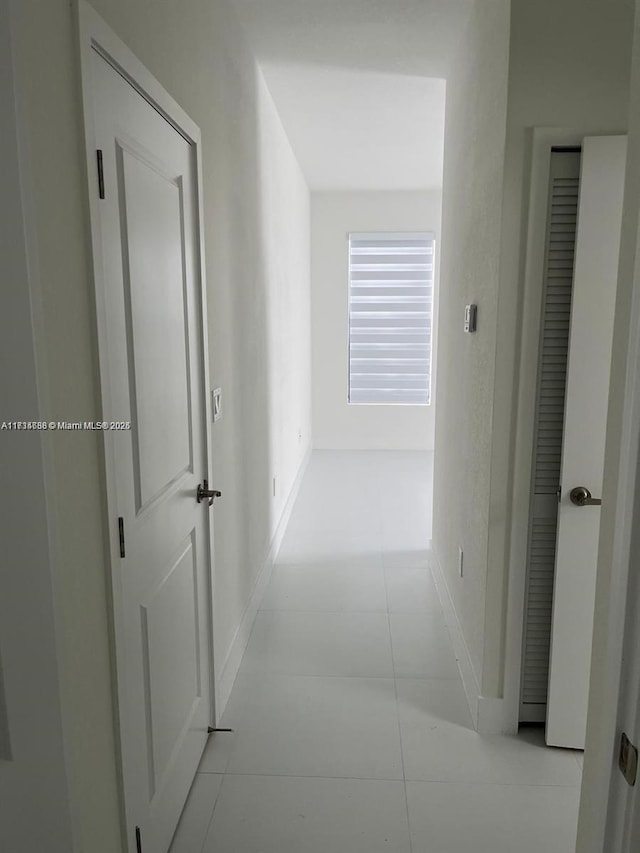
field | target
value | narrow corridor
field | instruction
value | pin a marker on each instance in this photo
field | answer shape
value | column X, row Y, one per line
column 352, row 733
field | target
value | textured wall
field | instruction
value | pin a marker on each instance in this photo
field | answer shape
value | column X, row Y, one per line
column 336, row 424
column 471, row 215
column 257, row 243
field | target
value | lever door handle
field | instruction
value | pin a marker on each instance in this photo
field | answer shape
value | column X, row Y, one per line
column 205, row 493
column 581, row 496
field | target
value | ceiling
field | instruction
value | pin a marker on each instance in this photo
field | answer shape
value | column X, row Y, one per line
column 359, row 85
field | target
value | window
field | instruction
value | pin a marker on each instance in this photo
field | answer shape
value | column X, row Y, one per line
column 390, row 314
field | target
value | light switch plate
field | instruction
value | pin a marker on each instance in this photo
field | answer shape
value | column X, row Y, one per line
column 470, row 318
column 216, row 402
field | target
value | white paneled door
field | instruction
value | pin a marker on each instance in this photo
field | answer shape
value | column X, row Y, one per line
column 587, row 394
column 152, row 351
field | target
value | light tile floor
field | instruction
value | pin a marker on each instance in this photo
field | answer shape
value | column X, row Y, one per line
column 351, row 729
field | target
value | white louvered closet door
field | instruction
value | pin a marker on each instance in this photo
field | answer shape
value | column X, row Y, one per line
column 552, row 373
column 390, row 317
column 595, row 280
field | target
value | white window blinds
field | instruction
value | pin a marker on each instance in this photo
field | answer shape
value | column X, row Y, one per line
column 390, row 317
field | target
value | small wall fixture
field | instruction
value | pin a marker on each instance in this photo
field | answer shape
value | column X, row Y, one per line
column 470, row 317
column 216, row 401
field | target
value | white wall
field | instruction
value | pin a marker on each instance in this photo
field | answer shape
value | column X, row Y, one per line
column 257, row 246
column 471, row 217
column 336, row 424
column 34, row 810
column 556, row 79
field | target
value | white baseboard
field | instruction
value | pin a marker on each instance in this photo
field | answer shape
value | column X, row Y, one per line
column 486, row 713
column 224, row 684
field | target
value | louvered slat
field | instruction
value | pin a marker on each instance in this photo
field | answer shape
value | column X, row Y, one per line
column 550, row 402
column 390, row 316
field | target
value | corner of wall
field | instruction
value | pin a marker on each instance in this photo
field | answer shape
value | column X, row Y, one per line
column 475, row 137
column 487, row 713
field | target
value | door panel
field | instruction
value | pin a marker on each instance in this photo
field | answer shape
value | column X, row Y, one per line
column 153, row 249
column 593, row 305
column 169, row 621
column 155, row 363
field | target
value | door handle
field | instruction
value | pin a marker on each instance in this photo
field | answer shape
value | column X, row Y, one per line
column 205, row 493
column 581, row 496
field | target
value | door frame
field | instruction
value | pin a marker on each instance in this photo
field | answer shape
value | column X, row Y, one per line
column 541, row 141
column 605, row 797
column 623, row 814
column 96, row 35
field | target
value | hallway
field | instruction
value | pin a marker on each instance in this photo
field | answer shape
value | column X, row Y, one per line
column 351, row 729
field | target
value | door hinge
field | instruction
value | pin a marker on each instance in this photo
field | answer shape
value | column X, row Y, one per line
column 100, row 174
column 121, row 535
column 628, row 759
column 138, row 840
